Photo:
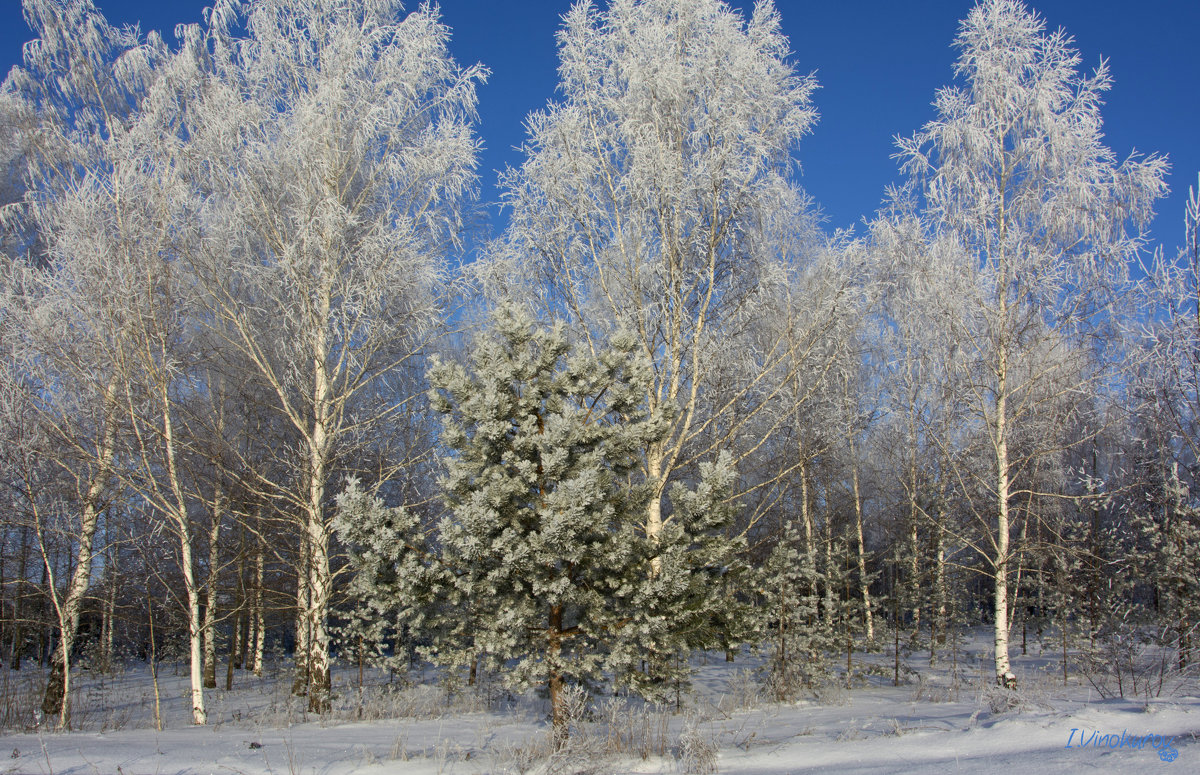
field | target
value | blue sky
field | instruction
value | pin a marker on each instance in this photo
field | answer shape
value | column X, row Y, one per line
column 878, row 63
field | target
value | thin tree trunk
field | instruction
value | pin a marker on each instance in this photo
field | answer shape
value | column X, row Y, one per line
column 896, row 628
column 210, row 592
column 914, row 568
column 260, row 626
column 805, row 511
column 937, row 629
column 319, row 588
column 242, row 631
column 195, row 627
column 178, row 513
column 54, row 699
column 863, row 582
column 829, row 593
column 109, row 615
column 1004, row 673
column 316, row 533
column 654, row 520
column 154, row 667
column 18, row 636
column 233, row 650
column 913, row 511
column 303, row 631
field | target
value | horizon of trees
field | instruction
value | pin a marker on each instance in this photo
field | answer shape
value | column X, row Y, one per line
column 674, row 414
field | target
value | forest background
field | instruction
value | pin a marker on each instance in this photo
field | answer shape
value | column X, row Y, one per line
column 268, row 362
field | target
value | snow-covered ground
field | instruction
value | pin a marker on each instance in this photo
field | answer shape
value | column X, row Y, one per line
column 932, row 723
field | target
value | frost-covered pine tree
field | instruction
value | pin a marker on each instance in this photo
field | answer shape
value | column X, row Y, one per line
column 1167, row 558
column 543, row 531
column 698, row 597
column 1171, row 377
column 799, row 636
column 1015, row 171
column 390, row 579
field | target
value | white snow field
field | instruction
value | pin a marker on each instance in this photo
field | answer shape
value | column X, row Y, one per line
column 935, row 722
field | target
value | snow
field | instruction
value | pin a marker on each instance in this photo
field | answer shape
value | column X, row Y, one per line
column 927, row 725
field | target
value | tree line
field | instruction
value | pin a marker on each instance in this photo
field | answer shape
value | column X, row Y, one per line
column 254, row 402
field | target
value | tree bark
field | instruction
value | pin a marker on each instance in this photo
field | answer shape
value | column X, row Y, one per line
column 210, row 593
column 1004, row 673
column 55, row 696
column 259, row 621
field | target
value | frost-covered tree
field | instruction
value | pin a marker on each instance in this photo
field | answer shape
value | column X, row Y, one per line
column 800, row 639
column 919, row 399
column 543, row 535
column 1169, row 561
column 392, row 577
column 700, row 594
column 655, row 197
column 70, row 107
column 1014, row 169
column 1169, row 381
column 333, row 149
column 1171, row 375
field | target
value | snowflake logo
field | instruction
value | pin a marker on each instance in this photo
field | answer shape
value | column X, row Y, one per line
column 1168, row 754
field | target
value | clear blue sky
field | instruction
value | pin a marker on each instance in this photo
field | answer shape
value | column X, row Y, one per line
column 878, row 63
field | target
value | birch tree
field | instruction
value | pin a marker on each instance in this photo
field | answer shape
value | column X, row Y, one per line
column 653, row 191
column 336, row 143
column 1015, row 170
column 75, row 98
column 1170, row 383
column 1172, row 375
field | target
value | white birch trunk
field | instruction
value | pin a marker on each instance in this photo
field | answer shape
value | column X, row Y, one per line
column 209, row 625
column 55, row 699
column 259, row 621
column 1004, row 674
column 863, row 584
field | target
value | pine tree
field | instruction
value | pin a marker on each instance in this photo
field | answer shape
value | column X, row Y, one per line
column 1168, row 559
column 391, row 579
column 800, row 639
column 697, row 595
column 543, row 530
